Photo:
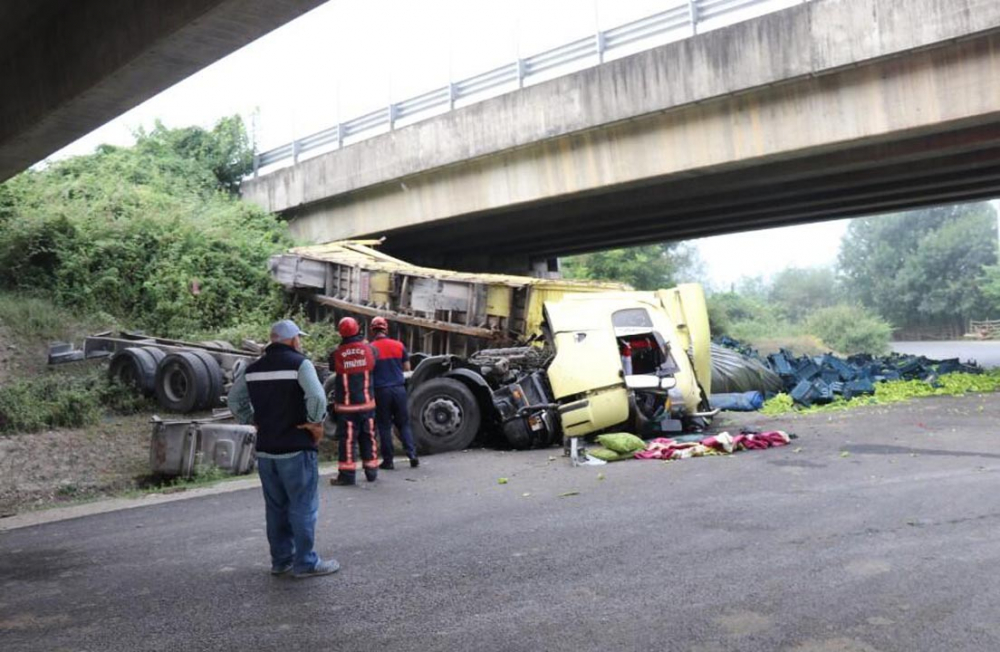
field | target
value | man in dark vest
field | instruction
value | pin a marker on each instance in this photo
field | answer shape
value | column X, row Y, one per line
column 354, row 403
column 390, row 393
column 281, row 395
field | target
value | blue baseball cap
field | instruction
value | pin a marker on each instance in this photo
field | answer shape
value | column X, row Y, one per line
column 285, row 329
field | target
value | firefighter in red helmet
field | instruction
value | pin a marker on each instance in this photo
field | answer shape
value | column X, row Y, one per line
column 390, row 393
column 354, row 403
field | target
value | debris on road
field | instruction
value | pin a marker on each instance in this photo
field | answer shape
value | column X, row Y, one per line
column 739, row 402
column 817, row 380
column 721, row 444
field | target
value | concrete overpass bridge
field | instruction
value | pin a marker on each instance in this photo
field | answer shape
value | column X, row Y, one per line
column 827, row 109
column 69, row 66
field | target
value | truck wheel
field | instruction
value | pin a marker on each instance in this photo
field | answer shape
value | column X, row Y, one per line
column 445, row 416
column 136, row 367
column 216, row 380
column 182, row 382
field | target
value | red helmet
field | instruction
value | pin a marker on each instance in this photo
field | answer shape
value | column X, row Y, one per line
column 380, row 324
column 348, row 327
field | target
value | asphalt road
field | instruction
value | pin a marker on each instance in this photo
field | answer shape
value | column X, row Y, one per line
column 986, row 353
column 875, row 531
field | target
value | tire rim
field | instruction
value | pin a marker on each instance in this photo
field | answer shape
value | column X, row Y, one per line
column 442, row 416
column 175, row 383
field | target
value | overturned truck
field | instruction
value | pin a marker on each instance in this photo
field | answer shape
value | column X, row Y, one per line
column 521, row 361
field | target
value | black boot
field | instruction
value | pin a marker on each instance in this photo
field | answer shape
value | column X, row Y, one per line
column 387, row 465
column 343, row 480
column 414, row 462
column 371, row 475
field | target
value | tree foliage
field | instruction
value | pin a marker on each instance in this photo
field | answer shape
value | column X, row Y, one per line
column 150, row 234
column 922, row 268
column 648, row 267
column 850, row 329
column 799, row 292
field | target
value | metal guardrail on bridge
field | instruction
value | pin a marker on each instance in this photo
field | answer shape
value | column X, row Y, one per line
column 685, row 17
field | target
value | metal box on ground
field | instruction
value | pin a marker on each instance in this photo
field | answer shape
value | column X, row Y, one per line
column 183, row 448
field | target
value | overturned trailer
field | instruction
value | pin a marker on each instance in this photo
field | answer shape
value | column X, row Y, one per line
column 433, row 311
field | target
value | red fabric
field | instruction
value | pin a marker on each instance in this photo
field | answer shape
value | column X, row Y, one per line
column 662, row 448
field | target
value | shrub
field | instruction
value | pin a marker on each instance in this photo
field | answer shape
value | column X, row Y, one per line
column 149, row 234
column 49, row 401
column 58, row 400
column 850, row 329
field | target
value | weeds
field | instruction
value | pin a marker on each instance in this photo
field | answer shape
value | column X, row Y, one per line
column 63, row 401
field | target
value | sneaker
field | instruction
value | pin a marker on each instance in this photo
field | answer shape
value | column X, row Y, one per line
column 371, row 475
column 281, row 569
column 414, row 462
column 322, row 568
column 387, row 465
column 342, row 481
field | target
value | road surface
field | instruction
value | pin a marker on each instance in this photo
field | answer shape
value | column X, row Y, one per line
column 875, row 531
column 986, row 353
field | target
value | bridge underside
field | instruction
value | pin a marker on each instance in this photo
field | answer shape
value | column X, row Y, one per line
column 922, row 169
column 69, row 66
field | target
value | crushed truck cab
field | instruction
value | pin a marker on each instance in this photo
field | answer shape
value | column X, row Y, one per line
column 623, row 361
column 664, row 333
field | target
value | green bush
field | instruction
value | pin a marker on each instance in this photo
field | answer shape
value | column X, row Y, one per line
column 59, row 400
column 30, row 317
column 49, row 401
column 850, row 329
column 149, row 234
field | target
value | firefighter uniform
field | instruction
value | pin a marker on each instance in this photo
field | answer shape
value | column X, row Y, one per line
column 390, row 397
column 354, row 405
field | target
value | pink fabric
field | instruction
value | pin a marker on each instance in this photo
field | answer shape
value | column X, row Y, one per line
column 662, row 448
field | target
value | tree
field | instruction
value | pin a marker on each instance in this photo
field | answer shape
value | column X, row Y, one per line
column 799, row 292
column 649, row 267
column 224, row 151
column 922, row 268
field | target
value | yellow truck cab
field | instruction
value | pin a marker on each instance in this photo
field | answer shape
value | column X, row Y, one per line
column 624, row 361
column 621, row 357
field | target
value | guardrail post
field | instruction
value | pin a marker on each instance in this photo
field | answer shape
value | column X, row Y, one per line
column 256, row 165
column 340, row 135
column 296, row 148
column 693, row 15
column 392, row 117
column 520, row 73
column 451, row 96
column 599, row 42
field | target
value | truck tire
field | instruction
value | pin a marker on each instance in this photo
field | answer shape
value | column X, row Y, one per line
column 216, row 380
column 135, row 366
column 182, row 382
column 445, row 416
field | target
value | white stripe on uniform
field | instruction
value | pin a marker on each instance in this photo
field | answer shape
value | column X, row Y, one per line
column 273, row 375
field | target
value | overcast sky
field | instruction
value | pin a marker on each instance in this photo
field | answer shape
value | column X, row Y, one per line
column 349, row 57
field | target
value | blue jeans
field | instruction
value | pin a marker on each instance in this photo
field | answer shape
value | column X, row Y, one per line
column 291, row 506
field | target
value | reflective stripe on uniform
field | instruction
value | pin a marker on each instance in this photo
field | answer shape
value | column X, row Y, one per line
column 257, row 376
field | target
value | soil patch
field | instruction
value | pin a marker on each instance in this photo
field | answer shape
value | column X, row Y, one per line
column 59, row 466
